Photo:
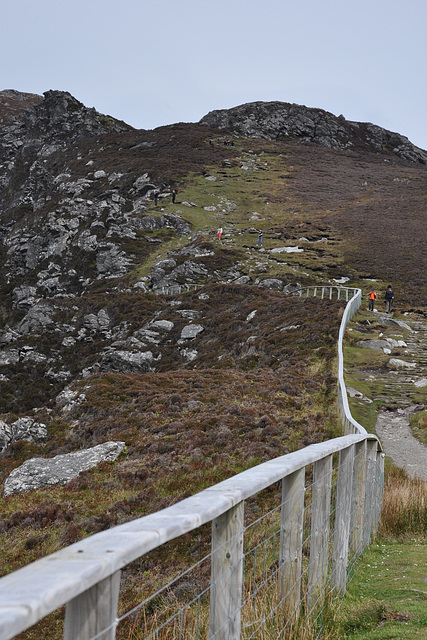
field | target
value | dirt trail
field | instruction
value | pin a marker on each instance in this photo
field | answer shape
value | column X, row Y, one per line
column 392, row 426
column 407, row 452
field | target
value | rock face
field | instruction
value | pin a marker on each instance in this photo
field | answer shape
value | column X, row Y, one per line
column 25, row 428
column 278, row 120
column 40, row 472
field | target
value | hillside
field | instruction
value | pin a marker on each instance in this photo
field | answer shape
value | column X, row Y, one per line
column 126, row 320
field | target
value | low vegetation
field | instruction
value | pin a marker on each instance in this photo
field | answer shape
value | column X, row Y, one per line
column 260, row 379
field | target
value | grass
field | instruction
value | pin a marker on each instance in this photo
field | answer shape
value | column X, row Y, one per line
column 386, row 597
column 418, row 423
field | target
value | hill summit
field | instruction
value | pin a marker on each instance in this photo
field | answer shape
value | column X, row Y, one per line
column 281, row 120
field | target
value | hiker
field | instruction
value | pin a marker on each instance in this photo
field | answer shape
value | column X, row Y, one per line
column 219, row 233
column 174, row 192
column 156, row 197
column 372, row 298
column 259, row 238
column 389, row 297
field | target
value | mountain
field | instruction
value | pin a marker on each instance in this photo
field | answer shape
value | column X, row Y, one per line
column 127, row 319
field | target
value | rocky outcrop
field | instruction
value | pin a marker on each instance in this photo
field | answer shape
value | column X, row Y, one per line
column 41, row 472
column 281, row 120
column 25, row 428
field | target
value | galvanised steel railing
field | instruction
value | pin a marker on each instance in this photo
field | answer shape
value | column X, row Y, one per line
column 272, row 575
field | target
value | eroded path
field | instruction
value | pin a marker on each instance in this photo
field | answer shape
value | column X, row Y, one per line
column 393, row 426
column 407, row 452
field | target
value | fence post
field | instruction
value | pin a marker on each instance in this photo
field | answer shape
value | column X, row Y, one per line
column 291, row 537
column 320, row 515
column 379, row 489
column 358, row 499
column 342, row 519
column 94, row 611
column 369, row 503
column 226, row 574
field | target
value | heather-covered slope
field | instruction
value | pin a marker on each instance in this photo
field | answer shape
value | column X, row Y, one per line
column 123, row 319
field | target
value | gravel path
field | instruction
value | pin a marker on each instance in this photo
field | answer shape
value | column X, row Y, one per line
column 393, row 429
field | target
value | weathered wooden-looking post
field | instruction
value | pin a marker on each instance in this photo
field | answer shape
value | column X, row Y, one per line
column 358, row 499
column 379, row 490
column 371, row 466
column 291, row 538
column 226, row 574
column 342, row 519
column 94, row 611
column 320, row 526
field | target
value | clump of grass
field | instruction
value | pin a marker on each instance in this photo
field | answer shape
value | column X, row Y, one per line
column 419, row 426
column 404, row 511
column 364, row 616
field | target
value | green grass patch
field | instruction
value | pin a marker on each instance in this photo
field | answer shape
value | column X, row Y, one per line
column 387, row 595
column 418, row 423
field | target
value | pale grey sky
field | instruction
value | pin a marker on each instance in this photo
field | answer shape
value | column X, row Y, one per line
column 156, row 62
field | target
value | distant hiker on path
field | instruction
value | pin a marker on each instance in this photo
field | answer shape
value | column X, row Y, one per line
column 372, row 298
column 259, row 238
column 174, row 192
column 156, row 197
column 389, row 297
column 219, row 233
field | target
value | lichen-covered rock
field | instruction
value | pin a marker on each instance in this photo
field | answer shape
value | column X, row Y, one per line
column 25, row 428
column 396, row 363
column 190, row 331
column 377, row 345
column 127, row 361
column 37, row 473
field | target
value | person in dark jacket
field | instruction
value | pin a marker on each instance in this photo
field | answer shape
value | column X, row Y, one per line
column 389, row 297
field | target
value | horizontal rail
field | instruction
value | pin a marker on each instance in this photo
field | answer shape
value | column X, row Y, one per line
column 56, row 579
column 32, row 592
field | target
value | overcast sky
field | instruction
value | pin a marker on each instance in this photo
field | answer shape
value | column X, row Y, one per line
column 157, row 62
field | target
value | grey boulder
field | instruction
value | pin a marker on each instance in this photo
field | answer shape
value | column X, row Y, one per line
column 37, row 473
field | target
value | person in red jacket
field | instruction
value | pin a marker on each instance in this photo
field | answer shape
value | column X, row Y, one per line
column 372, row 298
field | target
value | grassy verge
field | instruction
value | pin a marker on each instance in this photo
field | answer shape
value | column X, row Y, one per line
column 387, row 595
